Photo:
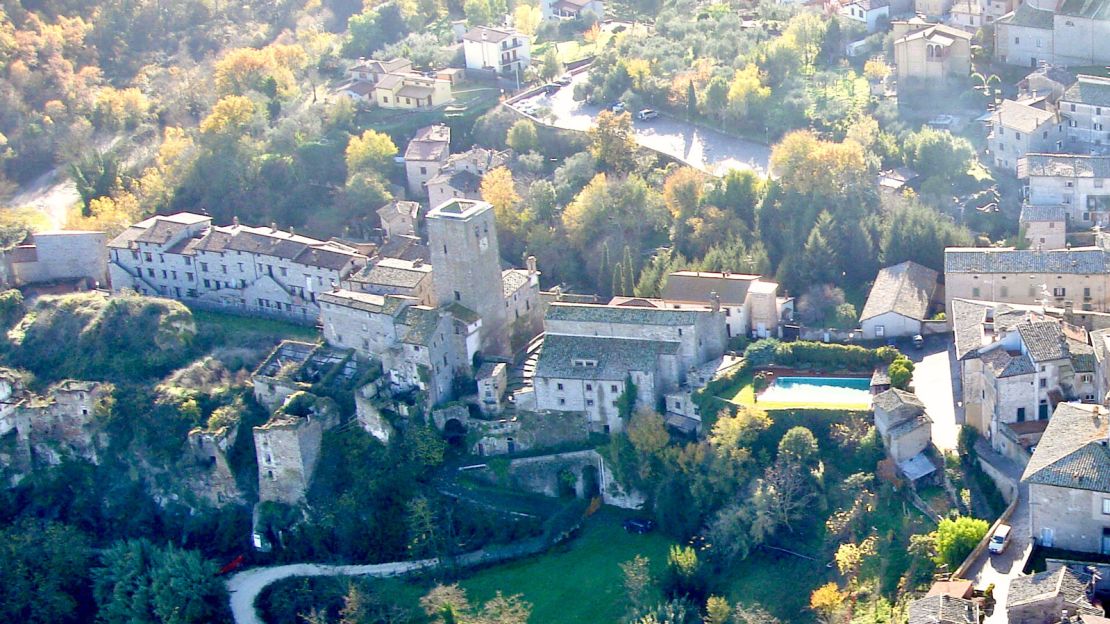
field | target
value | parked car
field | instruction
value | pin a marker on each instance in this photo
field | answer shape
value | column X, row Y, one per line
column 918, row 341
column 647, row 114
column 550, row 88
column 639, row 525
column 1000, row 540
column 617, row 107
column 563, row 80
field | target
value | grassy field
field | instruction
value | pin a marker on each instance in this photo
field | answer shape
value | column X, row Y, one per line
column 580, row 581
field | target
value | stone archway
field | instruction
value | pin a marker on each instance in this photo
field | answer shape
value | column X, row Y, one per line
column 454, row 432
column 590, row 483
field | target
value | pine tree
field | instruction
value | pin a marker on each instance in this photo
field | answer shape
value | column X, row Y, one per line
column 605, row 271
column 628, row 277
column 819, row 262
column 691, row 100
column 617, row 287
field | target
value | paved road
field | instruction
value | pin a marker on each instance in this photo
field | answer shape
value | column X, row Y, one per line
column 1000, row 569
column 705, row 149
column 934, row 376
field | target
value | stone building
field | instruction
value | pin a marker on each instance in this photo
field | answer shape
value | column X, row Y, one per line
column 394, row 276
column 1046, row 597
column 462, row 238
column 492, row 379
column 44, row 430
column 943, row 609
column 1020, row 128
column 1028, row 276
column 1075, row 183
column 1082, row 107
column 288, row 447
column 751, row 304
column 236, row 268
column 1069, row 481
column 929, row 55
column 902, row 423
column 420, row 347
column 213, row 480
column 1044, row 227
column 425, row 155
column 460, row 177
column 1056, row 32
column 900, row 301
column 60, row 256
column 591, row 353
column 1016, row 366
column 402, row 218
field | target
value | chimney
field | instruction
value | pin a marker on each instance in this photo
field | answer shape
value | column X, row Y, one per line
column 273, row 226
column 531, row 265
column 714, row 301
column 417, row 263
column 292, row 232
column 235, row 221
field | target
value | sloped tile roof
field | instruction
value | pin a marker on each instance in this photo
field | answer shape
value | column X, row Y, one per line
column 1090, row 9
column 616, row 314
column 1064, row 165
column 1042, row 586
column 1091, row 90
column 1022, row 117
column 1044, row 340
column 615, row 357
column 942, row 609
column 1005, row 364
column 732, row 288
column 1076, row 261
column 513, row 280
column 1029, row 17
column 1042, row 214
column 904, row 289
column 1071, row 452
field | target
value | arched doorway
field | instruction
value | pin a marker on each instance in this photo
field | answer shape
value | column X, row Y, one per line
column 591, row 482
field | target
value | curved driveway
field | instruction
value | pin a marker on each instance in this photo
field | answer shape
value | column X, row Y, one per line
column 244, row 587
column 705, row 149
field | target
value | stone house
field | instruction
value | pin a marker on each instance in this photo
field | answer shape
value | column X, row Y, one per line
column 751, row 305
column 288, row 447
column 1082, row 107
column 871, row 13
column 899, row 302
column 402, row 218
column 425, row 155
column 1020, row 128
column 1064, row 32
column 57, row 256
column 461, row 176
column 1044, row 227
column 1016, row 366
column 421, row 348
column 896, row 181
column 967, row 15
column 1028, row 276
column 1048, row 82
column 394, row 276
column 902, row 423
column 1069, row 490
column 934, row 9
column 943, row 609
column 235, row 268
column 591, row 352
column 929, row 55
column 492, row 379
column 1046, row 597
column 505, row 51
column 393, row 84
column 1077, row 183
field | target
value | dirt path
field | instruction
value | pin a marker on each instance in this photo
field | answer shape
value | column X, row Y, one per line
column 52, row 193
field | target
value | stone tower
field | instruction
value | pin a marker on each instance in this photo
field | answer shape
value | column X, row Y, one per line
column 462, row 237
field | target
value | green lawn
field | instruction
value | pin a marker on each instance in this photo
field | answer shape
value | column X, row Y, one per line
column 580, row 581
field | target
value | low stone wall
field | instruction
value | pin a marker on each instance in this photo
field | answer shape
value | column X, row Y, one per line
column 541, row 475
column 1010, row 491
column 1006, row 486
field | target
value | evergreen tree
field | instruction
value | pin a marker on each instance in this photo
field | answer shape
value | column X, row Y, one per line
column 819, row 261
column 691, row 100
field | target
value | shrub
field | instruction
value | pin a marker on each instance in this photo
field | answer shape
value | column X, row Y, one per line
column 957, row 537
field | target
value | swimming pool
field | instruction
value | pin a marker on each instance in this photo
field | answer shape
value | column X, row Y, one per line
column 818, row 391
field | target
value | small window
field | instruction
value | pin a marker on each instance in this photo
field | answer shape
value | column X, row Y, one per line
column 559, row 386
column 613, row 388
column 1106, row 506
column 562, row 401
column 589, row 402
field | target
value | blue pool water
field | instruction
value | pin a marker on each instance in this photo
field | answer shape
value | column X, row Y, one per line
column 818, row 390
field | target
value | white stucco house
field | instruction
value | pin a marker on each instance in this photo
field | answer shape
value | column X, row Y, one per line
column 899, row 301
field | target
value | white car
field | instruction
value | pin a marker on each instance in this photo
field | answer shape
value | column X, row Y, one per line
column 647, row 114
column 1000, row 540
